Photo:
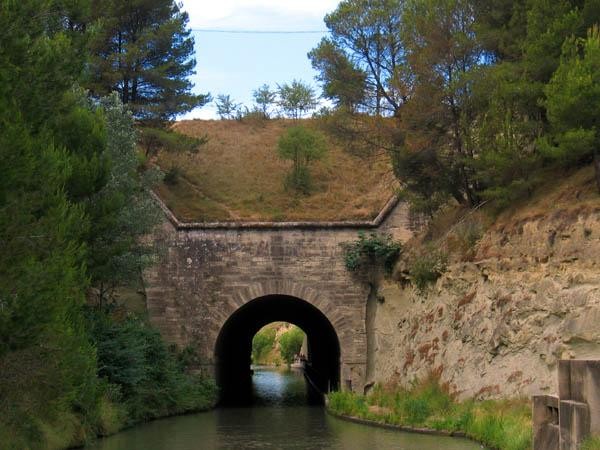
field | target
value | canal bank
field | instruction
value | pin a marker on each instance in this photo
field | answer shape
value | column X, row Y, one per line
column 279, row 418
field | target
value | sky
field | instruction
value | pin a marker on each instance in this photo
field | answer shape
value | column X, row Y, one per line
column 236, row 64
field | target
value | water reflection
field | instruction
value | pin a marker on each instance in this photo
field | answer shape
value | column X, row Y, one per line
column 280, row 420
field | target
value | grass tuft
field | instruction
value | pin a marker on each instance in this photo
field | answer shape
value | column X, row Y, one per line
column 501, row 424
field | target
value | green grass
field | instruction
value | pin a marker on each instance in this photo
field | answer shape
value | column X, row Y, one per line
column 500, row 424
column 592, row 443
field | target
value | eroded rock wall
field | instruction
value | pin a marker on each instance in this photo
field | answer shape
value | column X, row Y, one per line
column 496, row 325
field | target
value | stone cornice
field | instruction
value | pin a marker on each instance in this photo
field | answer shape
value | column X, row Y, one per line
column 240, row 225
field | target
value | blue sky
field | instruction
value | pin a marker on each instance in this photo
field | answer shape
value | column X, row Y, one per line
column 236, row 64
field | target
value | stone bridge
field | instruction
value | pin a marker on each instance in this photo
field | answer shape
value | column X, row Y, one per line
column 217, row 284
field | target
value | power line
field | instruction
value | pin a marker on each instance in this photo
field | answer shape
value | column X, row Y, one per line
column 214, row 30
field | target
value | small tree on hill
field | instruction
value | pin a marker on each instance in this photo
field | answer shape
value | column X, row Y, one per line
column 301, row 146
column 264, row 99
column 226, row 107
column 296, row 98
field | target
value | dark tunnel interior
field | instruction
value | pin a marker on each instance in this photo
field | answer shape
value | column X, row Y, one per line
column 234, row 345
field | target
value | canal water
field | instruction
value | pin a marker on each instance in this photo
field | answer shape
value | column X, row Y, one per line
column 279, row 419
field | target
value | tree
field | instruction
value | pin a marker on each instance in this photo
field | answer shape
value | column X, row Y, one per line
column 226, row 107
column 144, row 51
column 264, row 99
column 365, row 39
column 262, row 343
column 47, row 364
column 301, row 146
column 290, row 344
column 123, row 211
column 296, row 98
column 573, row 104
column 442, row 55
column 342, row 81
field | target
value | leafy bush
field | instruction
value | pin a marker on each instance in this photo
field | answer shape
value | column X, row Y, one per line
column 372, row 252
column 301, row 146
column 427, row 268
column 290, row 344
column 299, row 180
column 262, row 342
column 142, row 372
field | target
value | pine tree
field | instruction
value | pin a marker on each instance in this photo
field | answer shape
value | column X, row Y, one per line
column 144, row 51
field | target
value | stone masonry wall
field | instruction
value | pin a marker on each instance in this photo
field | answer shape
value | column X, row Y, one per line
column 207, row 271
column 498, row 325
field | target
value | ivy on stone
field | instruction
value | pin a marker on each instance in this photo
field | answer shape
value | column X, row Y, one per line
column 372, row 252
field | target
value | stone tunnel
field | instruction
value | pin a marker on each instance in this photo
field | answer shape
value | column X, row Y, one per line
column 216, row 284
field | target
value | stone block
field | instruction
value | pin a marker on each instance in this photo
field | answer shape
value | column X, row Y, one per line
column 574, row 424
column 545, row 422
column 579, row 380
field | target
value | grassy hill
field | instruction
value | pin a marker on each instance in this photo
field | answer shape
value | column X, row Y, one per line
column 237, row 175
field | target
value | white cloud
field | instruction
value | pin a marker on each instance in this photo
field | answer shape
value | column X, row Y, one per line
column 258, row 14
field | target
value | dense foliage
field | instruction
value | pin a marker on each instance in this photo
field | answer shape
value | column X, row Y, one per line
column 271, row 346
column 485, row 97
column 143, row 375
column 290, row 344
column 73, row 206
column 262, row 343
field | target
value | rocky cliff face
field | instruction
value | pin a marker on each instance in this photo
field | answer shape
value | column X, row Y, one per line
column 497, row 325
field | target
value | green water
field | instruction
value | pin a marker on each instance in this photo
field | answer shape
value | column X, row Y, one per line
column 280, row 419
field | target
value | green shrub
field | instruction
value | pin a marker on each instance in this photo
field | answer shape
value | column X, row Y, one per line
column 142, row 373
column 371, row 253
column 425, row 269
column 302, row 146
column 299, row 180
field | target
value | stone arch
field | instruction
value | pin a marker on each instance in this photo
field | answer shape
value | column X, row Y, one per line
column 233, row 344
column 250, row 291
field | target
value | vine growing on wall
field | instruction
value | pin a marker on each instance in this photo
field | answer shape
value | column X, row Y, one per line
column 372, row 252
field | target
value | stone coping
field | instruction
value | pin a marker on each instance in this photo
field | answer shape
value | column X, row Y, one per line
column 353, row 224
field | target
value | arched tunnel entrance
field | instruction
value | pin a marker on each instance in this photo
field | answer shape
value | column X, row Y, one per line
column 234, row 345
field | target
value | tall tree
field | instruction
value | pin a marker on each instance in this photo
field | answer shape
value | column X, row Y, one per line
column 342, row 81
column 573, row 104
column 144, row 51
column 442, row 56
column 47, row 366
column 365, row 33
